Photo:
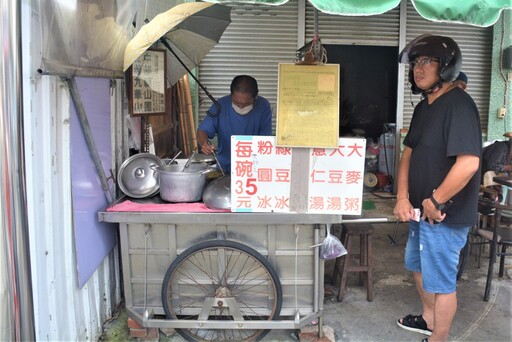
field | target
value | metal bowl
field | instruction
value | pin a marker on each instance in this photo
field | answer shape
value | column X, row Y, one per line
column 137, row 177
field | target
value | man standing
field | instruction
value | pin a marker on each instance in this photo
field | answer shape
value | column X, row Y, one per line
column 243, row 112
column 438, row 174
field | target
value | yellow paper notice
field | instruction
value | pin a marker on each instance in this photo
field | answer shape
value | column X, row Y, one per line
column 308, row 105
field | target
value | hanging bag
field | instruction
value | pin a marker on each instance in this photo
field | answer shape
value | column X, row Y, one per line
column 331, row 247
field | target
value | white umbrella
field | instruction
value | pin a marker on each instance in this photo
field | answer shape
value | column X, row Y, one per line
column 190, row 30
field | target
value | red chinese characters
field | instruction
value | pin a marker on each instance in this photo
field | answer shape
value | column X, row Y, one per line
column 258, row 166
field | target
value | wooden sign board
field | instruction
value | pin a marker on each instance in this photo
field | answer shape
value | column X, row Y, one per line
column 147, row 83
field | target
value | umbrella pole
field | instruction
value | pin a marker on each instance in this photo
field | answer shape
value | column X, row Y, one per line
column 217, row 105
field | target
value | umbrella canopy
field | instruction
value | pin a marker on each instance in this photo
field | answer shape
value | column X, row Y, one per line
column 475, row 12
column 191, row 29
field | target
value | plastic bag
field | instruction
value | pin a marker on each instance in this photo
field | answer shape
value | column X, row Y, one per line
column 331, row 247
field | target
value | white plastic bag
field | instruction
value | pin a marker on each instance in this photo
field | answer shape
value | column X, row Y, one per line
column 331, row 247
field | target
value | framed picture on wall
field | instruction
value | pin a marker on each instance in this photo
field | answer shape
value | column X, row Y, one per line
column 147, row 78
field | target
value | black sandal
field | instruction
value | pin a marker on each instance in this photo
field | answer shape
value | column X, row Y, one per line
column 414, row 323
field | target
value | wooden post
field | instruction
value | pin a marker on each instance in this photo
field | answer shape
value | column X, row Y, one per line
column 190, row 112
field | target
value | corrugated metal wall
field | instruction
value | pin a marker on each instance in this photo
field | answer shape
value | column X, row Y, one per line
column 377, row 30
column 258, row 39
column 476, row 47
column 254, row 43
column 62, row 310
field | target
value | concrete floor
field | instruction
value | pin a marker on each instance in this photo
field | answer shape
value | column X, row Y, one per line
column 356, row 319
column 395, row 295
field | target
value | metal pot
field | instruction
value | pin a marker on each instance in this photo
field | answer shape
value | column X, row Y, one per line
column 179, row 184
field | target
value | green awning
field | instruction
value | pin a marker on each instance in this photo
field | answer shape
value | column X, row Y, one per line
column 474, row 12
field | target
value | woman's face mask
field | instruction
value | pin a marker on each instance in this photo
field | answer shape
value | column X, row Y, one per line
column 242, row 111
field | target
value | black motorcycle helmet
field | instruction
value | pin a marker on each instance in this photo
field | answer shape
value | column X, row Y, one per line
column 443, row 48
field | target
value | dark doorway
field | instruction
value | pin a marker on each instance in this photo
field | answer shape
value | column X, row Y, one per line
column 368, row 87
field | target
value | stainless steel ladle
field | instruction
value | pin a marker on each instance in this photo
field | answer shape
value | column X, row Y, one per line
column 216, row 160
column 176, row 156
column 189, row 160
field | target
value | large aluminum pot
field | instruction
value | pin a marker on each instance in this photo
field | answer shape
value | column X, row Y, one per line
column 182, row 184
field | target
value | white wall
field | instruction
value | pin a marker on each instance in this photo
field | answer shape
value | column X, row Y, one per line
column 62, row 310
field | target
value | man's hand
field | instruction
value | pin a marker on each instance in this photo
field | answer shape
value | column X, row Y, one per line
column 404, row 210
column 207, row 148
column 204, row 142
column 431, row 213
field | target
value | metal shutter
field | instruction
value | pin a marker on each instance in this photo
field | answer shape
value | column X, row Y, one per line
column 476, row 47
column 376, row 30
column 257, row 40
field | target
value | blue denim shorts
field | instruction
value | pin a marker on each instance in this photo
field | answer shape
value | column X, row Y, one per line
column 433, row 250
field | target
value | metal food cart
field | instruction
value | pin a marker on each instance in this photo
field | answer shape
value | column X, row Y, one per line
column 222, row 276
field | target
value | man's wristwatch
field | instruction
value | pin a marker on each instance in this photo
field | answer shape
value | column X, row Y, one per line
column 439, row 206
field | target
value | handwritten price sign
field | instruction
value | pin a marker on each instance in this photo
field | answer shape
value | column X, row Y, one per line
column 261, row 176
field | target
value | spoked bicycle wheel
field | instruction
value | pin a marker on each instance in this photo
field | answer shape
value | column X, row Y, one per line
column 221, row 280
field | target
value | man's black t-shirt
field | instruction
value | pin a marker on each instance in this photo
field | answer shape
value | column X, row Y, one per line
column 438, row 133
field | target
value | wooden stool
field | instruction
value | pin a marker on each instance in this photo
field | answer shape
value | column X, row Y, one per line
column 365, row 258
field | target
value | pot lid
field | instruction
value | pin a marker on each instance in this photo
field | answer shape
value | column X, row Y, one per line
column 137, row 177
column 217, row 194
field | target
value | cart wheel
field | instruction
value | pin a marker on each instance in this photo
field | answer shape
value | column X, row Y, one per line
column 221, row 280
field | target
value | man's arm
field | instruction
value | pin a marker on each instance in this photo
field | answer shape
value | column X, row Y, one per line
column 403, row 174
column 404, row 210
column 202, row 140
column 460, row 174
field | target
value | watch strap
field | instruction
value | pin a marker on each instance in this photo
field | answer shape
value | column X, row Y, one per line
column 439, row 206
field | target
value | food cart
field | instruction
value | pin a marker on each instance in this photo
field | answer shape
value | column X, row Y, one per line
column 220, row 275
